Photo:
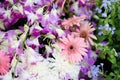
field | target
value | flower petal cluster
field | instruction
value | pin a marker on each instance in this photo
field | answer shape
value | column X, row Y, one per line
column 73, row 48
column 72, row 21
column 4, row 63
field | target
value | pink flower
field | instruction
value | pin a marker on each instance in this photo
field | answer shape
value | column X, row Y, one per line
column 73, row 21
column 74, row 48
column 86, row 32
column 4, row 63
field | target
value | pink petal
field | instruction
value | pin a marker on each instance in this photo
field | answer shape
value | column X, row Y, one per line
column 91, row 42
column 93, row 36
column 92, row 29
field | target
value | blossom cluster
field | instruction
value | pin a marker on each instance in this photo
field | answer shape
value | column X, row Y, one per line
column 48, row 40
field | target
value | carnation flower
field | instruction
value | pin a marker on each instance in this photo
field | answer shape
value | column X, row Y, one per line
column 73, row 48
column 72, row 21
column 4, row 63
column 86, row 32
column 59, row 65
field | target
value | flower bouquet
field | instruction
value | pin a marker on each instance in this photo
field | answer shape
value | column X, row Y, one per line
column 59, row 39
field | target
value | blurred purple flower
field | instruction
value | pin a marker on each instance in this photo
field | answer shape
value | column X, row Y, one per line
column 104, row 14
column 104, row 43
column 86, row 64
column 95, row 72
column 118, row 54
column 98, row 10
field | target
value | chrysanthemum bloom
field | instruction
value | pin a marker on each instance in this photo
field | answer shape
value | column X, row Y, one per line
column 4, row 63
column 73, row 21
column 74, row 48
column 86, row 32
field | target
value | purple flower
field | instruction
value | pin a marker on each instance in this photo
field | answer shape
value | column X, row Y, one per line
column 118, row 54
column 28, row 8
column 32, row 17
column 95, row 71
column 104, row 14
column 67, row 77
column 104, row 43
column 48, row 30
column 82, row 79
column 33, row 43
column 112, row 30
column 86, row 64
column 98, row 10
column 35, row 32
column 45, row 30
column 84, row 70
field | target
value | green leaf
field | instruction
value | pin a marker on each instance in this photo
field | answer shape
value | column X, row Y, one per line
column 112, row 59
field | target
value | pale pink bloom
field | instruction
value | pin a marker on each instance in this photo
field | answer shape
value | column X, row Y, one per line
column 73, row 21
column 86, row 32
column 4, row 63
column 73, row 48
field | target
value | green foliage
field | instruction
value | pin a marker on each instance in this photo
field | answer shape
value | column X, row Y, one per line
column 113, row 18
column 106, row 52
column 109, row 52
column 115, row 75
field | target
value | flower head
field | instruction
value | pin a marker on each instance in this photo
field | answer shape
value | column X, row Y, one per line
column 4, row 63
column 73, row 48
column 86, row 32
column 72, row 21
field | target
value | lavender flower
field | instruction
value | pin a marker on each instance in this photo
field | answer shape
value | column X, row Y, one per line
column 87, row 63
column 98, row 10
column 118, row 54
column 112, row 30
column 105, row 29
column 95, row 72
column 104, row 14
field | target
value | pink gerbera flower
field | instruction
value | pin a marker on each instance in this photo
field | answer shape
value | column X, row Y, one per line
column 86, row 32
column 4, row 63
column 72, row 21
column 74, row 48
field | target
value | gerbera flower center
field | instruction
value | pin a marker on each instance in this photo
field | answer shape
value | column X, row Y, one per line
column 84, row 34
column 71, row 47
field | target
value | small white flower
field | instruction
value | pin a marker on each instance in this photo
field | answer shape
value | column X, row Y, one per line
column 7, row 14
column 61, row 66
column 31, row 17
column 18, row 8
column 39, row 10
column 48, row 49
column 29, row 2
column 59, row 31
